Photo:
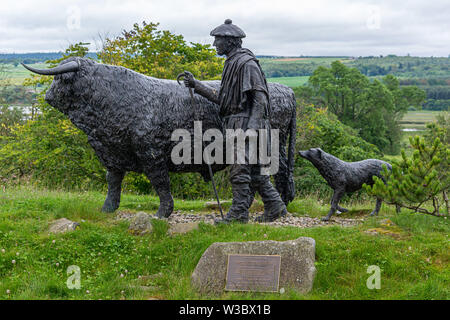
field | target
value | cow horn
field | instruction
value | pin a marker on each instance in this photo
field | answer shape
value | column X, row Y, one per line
column 71, row 66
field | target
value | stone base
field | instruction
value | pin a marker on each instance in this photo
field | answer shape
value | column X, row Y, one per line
column 297, row 263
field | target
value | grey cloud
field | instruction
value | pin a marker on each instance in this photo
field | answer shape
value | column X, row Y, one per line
column 284, row 27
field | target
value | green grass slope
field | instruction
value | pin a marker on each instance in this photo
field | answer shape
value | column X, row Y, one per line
column 412, row 251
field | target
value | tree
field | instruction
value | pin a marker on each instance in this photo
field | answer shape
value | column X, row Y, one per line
column 356, row 101
column 5, row 82
column 374, row 108
column 403, row 98
column 160, row 54
column 419, row 181
column 9, row 117
column 49, row 147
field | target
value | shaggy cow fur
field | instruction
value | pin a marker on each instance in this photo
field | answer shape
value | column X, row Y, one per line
column 344, row 177
column 129, row 119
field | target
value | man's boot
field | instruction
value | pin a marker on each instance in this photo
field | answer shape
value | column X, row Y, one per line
column 239, row 207
column 274, row 207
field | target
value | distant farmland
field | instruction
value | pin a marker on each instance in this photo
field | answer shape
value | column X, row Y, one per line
column 418, row 119
column 290, row 81
column 319, row 60
column 16, row 75
column 294, row 71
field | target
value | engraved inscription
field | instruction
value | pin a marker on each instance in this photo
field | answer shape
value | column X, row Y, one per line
column 253, row 273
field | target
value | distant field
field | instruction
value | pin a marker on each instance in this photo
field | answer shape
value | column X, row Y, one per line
column 324, row 60
column 414, row 123
column 290, row 59
column 295, row 71
column 418, row 119
column 290, row 81
column 16, row 75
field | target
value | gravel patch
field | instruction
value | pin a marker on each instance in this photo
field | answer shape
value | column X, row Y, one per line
column 288, row 220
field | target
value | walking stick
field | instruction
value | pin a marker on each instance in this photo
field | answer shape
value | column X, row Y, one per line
column 211, row 174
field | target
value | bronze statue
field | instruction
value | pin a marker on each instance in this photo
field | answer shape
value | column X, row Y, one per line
column 129, row 118
column 345, row 177
column 244, row 104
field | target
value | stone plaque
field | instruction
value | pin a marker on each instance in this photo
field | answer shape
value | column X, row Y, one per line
column 253, row 273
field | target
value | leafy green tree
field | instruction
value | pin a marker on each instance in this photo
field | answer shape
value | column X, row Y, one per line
column 4, row 83
column 48, row 147
column 356, row 101
column 9, row 117
column 403, row 98
column 374, row 108
column 160, row 54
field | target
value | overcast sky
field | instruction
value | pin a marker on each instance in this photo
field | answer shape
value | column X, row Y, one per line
column 273, row 27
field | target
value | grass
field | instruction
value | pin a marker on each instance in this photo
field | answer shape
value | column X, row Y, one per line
column 16, row 75
column 417, row 122
column 412, row 251
column 290, row 81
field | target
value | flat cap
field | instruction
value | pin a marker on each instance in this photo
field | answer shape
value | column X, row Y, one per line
column 228, row 29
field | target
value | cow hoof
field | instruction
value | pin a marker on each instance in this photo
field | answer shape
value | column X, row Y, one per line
column 108, row 208
column 373, row 213
column 163, row 214
column 325, row 219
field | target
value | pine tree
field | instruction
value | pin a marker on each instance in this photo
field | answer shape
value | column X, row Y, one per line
column 417, row 182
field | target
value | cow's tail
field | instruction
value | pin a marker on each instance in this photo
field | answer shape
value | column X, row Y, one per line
column 290, row 190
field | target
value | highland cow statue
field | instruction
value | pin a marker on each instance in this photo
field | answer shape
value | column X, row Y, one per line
column 129, row 119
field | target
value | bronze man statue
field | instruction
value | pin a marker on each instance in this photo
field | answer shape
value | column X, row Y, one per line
column 244, row 104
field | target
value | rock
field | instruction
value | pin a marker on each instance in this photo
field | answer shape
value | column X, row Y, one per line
column 297, row 263
column 182, row 227
column 140, row 224
column 63, row 225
